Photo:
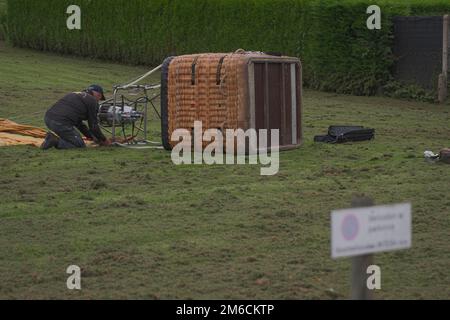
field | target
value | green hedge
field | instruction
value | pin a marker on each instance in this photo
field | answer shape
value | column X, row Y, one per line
column 2, row 19
column 338, row 51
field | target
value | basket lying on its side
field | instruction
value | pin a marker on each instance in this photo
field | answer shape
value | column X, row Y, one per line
column 239, row 90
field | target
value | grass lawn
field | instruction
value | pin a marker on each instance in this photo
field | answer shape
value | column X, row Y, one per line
column 141, row 227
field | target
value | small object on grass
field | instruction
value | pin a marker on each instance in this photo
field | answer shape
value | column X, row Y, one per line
column 430, row 156
column 444, row 155
column 340, row 134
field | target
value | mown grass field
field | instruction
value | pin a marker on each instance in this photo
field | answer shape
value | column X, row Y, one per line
column 143, row 228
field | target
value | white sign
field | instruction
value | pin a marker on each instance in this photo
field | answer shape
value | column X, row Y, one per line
column 359, row 231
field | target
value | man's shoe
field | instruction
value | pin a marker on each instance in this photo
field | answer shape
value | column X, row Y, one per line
column 50, row 141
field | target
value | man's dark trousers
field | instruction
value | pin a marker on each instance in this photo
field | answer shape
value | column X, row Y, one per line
column 70, row 138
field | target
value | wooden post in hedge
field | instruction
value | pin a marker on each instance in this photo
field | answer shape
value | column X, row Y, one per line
column 360, row 291
column 443, row 81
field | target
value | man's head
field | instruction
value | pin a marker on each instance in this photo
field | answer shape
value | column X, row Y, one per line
column 97, row 92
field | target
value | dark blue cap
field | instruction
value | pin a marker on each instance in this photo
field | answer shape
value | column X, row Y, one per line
column 96, row 88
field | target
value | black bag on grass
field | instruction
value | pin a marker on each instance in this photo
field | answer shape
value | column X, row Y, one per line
column 340, row 134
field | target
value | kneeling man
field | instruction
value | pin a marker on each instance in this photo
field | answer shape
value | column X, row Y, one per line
column 65, row 118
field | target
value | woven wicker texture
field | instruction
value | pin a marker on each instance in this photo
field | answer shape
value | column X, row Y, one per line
column 212, row 88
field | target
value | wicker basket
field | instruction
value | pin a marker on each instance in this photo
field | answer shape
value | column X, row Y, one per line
column 239, row 90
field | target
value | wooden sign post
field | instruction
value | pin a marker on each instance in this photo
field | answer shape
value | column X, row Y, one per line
column 361, row 263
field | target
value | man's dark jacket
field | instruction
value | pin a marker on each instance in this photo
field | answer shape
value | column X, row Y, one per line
column 75, row 108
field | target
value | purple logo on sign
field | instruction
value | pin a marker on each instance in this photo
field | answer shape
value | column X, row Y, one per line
column 350, row 227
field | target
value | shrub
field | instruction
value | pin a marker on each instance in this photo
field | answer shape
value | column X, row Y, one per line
column 339, row 53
